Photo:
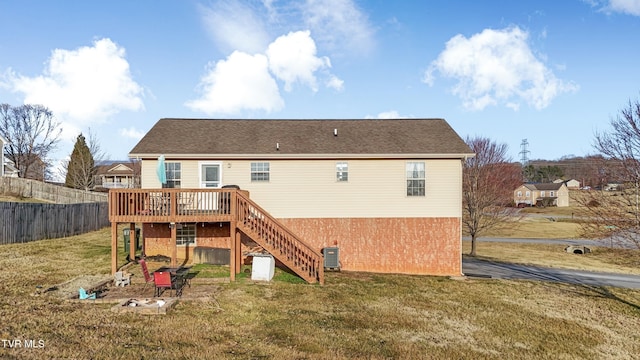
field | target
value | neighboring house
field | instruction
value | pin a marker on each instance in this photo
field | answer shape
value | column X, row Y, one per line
column 9, row 168
column 613, row 187
column 36, row 170
column 572, row 184
column 552, row 194
column 386, row 193
column 117, row 175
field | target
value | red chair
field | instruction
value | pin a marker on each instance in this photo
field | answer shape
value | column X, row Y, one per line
column 163, row 281
column 145, row 271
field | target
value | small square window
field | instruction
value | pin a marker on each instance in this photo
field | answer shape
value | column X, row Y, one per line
column 259, row 171
column 186, row 234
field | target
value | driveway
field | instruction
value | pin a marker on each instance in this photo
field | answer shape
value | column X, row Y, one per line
column 489, row 269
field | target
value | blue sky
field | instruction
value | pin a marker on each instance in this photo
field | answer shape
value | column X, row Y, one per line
column 552, row 72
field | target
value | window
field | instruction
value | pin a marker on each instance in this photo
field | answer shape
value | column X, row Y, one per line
column 519, row 193
column 415, row 179
column 551, row 193
column 527, row 194
column 342, row 171
column 259, row 171
column 186, row 234
column 174, row 174
column 542, row 193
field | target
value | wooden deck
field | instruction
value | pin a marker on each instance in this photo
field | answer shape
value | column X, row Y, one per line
column 214, row 205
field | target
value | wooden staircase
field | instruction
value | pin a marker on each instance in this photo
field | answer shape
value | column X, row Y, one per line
column 279, row 241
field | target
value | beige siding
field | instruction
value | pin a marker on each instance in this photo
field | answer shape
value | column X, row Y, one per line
column 309, row 189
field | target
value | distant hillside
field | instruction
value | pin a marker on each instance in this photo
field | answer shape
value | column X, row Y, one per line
column 589, row 170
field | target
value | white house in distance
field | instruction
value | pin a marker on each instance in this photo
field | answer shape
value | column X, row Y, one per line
column 572, row 184
column 386, row 193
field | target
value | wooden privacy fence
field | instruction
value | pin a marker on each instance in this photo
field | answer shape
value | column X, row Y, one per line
column 24, row 222
column 54, row 193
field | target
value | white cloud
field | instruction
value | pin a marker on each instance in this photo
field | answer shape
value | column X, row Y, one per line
column 292, row 58
column 242, row 81
column 83, row 86
column 631, row 7
column 391, row 114
column 246, row 82
column 335, row 83
column 132, row 133
column 497, row 67
column 236, row 26
column 339, row 24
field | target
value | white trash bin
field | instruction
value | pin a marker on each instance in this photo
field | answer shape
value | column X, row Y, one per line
column 263, row 267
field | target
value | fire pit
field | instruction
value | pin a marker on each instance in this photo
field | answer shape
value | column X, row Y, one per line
column 153, row 306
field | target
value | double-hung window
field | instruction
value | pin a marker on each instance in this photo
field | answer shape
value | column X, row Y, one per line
column 416, row 177
column 173, row 171
column 342, row 171
column 259, row 171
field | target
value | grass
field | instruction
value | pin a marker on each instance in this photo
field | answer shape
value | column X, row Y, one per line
column 354, row 315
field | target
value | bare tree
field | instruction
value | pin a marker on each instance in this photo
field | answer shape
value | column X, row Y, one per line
column 615, row 215
column 32, row 133
column 489, row 180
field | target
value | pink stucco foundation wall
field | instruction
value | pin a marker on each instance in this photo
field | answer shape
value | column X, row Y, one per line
column 428, row 246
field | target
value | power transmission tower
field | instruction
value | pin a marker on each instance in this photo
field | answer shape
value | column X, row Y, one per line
column 524, row 153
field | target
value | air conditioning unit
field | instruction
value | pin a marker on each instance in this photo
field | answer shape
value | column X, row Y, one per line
column 331, row 258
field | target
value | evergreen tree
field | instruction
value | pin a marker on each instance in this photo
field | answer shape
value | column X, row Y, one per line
column 81, row 166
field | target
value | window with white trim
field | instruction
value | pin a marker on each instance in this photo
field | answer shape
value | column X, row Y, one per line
column 186, row 234
column 416, row 176
column 542, row 193
column 259, row 171
column 342, row 171
column 527, row 194
column 173, row 172
column 551, row 193
column 519, row 193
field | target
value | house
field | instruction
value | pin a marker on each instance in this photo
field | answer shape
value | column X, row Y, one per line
column 547, row 194
column 116, row 175
column 386, row 193
column 572, row 184
column 9, row 168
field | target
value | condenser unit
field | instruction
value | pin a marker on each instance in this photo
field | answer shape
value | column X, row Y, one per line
column 331, row 258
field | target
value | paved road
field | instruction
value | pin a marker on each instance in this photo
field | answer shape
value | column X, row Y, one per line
column 488, row 269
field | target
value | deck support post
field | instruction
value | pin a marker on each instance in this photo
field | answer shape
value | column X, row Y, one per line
column 132, row 241
column 232, row 254
column 238, row 253
column 114, row 247
column 174, row 242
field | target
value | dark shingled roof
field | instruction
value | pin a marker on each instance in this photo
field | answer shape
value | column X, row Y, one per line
column 301, row 137
column 544, row 186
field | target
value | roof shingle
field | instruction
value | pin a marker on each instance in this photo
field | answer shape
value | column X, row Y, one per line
column 301, row 137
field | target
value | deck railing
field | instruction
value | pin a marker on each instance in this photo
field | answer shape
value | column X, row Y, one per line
column 170, row 205
column 219, row 205
column 279, row 241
